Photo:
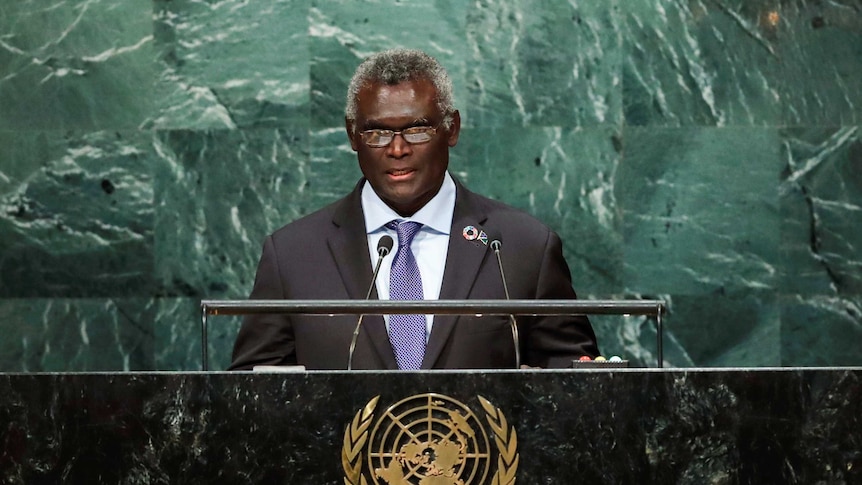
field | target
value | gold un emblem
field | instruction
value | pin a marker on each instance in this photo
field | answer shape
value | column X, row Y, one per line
column 429, row 439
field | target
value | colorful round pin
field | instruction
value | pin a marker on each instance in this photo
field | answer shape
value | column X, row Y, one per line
column 470, row 233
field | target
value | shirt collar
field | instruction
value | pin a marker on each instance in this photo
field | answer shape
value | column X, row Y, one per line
column 436, row 214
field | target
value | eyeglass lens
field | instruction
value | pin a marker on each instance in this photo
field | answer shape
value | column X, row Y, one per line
column 381, row 138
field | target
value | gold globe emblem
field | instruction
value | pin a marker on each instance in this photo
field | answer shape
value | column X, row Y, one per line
column 429, row 439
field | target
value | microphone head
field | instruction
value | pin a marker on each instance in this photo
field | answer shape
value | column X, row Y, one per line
column 495, row 243
column 384, row 245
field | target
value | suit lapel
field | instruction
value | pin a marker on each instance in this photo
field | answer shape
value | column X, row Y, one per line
column 348, row 245
column 463, row 261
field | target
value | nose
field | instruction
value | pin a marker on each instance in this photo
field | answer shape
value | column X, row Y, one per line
column 399, row 147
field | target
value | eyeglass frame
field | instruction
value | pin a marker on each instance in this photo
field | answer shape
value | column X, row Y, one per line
column 432, row 130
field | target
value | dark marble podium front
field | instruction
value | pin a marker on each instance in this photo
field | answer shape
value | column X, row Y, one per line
column 587, row 426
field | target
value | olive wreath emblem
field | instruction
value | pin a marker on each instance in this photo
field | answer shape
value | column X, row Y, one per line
column 507, row 444
column 356, row 437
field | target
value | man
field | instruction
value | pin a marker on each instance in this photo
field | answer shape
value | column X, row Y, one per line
column 401, row 123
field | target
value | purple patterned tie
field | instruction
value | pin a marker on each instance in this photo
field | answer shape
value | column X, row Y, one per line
column 406, row 332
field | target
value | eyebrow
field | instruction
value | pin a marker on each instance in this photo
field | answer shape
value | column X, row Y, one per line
column 378, row 125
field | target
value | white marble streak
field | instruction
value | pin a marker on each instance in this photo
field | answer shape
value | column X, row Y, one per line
column 238, row 226
column 826, row 149
column 748, row 28
column 320, row 26
column 116, row 51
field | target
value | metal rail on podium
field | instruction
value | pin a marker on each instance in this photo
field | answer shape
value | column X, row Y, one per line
column 650, row 308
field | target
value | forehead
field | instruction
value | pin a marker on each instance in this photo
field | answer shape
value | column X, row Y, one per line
column 403, row 102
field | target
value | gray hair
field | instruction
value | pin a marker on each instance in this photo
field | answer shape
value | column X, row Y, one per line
column 396, row 66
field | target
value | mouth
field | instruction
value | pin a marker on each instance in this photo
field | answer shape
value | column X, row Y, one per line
column 400, row 173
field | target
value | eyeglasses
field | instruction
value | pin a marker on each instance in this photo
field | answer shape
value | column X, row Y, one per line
column 413, row 135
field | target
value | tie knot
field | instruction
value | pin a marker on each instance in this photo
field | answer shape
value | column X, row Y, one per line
column 406, row 230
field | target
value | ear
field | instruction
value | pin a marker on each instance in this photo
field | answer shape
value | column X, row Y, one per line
column 454, row 128
column 352, row 135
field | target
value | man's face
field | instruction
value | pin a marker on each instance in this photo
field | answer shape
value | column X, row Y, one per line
column 405, row 176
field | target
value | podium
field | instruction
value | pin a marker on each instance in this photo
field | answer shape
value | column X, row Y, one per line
column 628, row 426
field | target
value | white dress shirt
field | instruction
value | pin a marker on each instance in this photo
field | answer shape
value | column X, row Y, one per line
column 430, row 245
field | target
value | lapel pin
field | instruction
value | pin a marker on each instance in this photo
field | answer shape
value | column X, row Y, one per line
column 483, row 237
column 470, row 233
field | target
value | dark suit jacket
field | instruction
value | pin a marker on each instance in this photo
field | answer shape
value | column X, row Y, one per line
column 325, row 256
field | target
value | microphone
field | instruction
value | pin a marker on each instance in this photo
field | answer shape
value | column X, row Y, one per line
column 384, row 246
column 496, row 245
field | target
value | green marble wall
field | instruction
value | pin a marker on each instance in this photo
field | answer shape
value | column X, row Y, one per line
column 705, row 152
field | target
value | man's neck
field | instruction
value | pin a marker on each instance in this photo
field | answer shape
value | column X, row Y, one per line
column 434, row 212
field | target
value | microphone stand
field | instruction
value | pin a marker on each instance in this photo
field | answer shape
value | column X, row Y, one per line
column 495, row 245
column 383, row 248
